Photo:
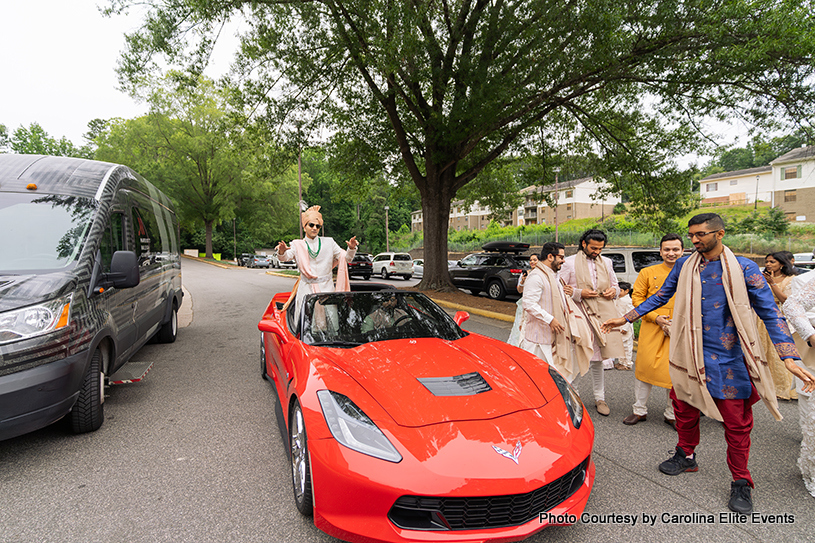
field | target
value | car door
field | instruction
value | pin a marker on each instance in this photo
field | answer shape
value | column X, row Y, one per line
column 460, row 273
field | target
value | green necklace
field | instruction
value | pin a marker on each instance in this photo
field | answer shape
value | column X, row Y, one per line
column 319, row 246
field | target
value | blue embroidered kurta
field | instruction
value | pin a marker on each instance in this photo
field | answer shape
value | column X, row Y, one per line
column 725, row 368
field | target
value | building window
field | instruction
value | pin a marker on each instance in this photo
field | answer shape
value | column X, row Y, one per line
column 791, row 172
column 568, row 217
column 712, row 187
column 569, row 193
column 734, row 182
column 568, row 207
column 789, row 196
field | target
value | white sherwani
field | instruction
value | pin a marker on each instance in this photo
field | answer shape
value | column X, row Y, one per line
column 321, row 266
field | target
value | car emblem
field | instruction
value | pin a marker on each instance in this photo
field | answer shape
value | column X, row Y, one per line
column 511, row 455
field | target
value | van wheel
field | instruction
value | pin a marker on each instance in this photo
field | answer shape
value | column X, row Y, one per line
column 496, row 290
column 88, row 412
column 169, row 331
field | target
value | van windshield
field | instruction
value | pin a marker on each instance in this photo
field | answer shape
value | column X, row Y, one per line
column 42, row 233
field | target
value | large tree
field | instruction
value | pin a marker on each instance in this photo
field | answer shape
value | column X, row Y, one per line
column 443, row 88
column 34, row 140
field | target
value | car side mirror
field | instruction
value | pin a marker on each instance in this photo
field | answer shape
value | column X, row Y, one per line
column 124, row 270
column 459, row 264
column 461, row 317
column 273, row 327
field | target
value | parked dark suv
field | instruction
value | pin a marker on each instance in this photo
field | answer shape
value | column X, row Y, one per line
column 495, row 271
column 361, row 266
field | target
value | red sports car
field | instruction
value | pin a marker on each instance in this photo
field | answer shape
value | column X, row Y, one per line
column 404, row 427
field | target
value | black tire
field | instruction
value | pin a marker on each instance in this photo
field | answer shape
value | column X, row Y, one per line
column 384, row 274
column 496, row 291
column 88, row 412
column 407, row 277
column 366, row 277
column 300, row 467
column 169, row 330
column 475, row 291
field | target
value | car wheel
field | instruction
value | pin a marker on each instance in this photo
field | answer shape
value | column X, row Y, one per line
column 384, row 274
column 366, row 277
column 300, row 468
column 496, row 291
column 88, row 412
column 169, row 331
column 475, row 291
column 407, row 277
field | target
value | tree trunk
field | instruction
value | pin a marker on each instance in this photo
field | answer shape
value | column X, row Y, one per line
column 436, row 199
column 208, row 227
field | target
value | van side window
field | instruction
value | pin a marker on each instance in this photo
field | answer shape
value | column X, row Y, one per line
column 148, row 243
column 112, row 240
column 617, row 261
column 643, row 259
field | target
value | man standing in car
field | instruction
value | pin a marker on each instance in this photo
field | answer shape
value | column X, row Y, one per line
column 595, row 288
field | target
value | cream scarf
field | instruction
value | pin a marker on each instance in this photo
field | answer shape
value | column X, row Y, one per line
column 573, row 349
column 687, row 363
column 599, row 310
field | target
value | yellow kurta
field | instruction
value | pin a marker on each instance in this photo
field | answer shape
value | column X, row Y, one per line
column 653, row 345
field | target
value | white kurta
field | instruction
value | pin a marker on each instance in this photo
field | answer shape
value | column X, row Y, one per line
column 321, row 266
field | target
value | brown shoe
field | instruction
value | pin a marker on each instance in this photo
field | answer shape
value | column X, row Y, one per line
column 622, row 367
column 602, row 408
column 670, row 422
column 633, row 419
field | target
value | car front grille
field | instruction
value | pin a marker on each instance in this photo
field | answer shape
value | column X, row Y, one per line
column 479, row 512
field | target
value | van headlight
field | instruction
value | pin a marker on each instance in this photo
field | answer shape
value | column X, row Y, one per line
column 351, row 426
column 35, row 320
column 573, row 404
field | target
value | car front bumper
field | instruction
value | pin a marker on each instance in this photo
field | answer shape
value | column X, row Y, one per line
column 355, row 493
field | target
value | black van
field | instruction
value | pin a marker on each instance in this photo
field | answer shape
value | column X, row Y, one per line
column 89, row 272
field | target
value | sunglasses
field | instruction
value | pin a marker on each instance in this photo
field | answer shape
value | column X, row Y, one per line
column 312, row 225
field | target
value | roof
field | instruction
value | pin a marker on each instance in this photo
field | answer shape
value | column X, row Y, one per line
column 571, row 183
column 739, row 173
column 802, row 153
column 53, row 174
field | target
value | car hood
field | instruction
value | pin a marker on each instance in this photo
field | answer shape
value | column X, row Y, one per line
column 390, row 371
column 23, row 290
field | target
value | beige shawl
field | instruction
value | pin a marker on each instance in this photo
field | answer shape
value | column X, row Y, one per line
column 687, row 363
column 599, row 310
column 573, row 349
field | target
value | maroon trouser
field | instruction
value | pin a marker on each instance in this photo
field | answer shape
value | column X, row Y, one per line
column 737, row 416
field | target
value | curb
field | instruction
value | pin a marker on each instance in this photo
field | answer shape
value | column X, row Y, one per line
column 277, row 274
column 210, row 262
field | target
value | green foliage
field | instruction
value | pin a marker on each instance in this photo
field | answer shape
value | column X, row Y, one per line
column 435, row 93
column 34, row 140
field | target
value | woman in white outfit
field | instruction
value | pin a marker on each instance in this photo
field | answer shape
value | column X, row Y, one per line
column 516, row 333
column 796, row 307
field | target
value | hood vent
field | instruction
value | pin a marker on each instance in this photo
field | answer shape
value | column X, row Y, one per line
column 468, row 384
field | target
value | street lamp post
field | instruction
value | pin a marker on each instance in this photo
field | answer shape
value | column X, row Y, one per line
column 387, row 233
column 557, row 197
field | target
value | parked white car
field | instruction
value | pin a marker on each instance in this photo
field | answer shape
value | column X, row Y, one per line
column 387, row 264
column 418, row 267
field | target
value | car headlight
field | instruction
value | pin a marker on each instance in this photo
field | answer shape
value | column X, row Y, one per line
column 35, row 320
column 573, row 404
column 351, row 426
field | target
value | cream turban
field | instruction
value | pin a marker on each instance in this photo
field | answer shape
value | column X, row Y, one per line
column 312, row 214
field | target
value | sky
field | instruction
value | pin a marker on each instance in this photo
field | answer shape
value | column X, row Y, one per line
column 58, row 60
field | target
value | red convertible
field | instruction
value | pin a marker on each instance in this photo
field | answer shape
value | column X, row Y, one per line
column 402, row 426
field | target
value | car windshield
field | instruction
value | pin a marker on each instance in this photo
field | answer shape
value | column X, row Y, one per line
column 349, row 319
column 42, row 233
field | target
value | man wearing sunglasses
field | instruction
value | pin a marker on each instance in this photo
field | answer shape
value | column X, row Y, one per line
column 316, row 257
column 716, row 363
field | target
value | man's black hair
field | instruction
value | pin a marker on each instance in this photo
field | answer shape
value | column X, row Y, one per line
column 671, row 237
column 551, row 248
column 712, row 219
column 593, row 234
